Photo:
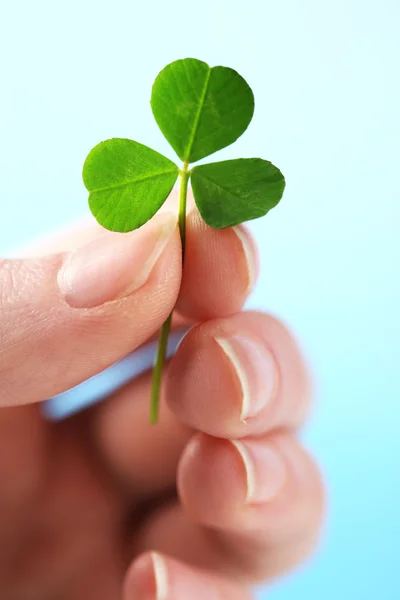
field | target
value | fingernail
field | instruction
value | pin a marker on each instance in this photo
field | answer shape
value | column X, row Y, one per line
column 256, row 370
column 115, row 264
column 160, row 576
column 265, row 470
column 249, row 252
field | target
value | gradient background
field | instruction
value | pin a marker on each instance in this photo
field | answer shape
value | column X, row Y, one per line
column 326, row 81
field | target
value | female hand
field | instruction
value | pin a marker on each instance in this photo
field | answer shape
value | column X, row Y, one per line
column 103, row 505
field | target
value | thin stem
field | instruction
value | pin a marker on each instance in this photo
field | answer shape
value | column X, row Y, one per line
column 166, row 328
column 182, row 206
column 158, row 367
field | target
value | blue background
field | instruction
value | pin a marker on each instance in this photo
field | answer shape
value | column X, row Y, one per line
column 326, row 82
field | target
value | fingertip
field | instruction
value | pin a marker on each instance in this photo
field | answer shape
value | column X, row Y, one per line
column 221, row 482
column 238, row 376
column 147, row 578
column 220, row 269
column 268, row 490
column 211, row 403
column 212, row 481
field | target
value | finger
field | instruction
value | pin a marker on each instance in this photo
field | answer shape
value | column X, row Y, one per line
column 156, row 577
column 66, row 317
column 220, row 269
column 141, row 457
column 237, row 376
column 250, row 510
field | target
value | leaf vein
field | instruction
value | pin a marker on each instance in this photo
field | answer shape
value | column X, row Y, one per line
column 218, row 185
column 197, row 117
column 133, row 181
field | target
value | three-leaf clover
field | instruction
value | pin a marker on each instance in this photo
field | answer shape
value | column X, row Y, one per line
column 200, row 110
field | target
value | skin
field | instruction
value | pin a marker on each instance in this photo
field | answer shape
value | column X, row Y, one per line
column 104, row 505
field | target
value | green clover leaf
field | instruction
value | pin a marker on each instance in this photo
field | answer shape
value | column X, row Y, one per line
column 230, row 192
column 200, row 109
column 128, row 183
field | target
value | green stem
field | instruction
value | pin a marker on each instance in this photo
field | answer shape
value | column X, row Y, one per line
column 166, row 328
column 182, row 206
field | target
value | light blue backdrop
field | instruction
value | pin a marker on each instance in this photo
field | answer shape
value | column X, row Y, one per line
column 325, row 76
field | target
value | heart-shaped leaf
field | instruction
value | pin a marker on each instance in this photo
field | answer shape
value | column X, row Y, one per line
column 200, row 109
column 230, row 192
column 128, row 182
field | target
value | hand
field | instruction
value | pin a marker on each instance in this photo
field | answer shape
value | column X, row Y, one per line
column 103, row 505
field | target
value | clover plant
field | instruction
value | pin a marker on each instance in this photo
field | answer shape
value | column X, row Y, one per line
column 200, row 110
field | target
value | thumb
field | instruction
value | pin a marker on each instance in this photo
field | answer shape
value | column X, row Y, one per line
column 65, row 317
